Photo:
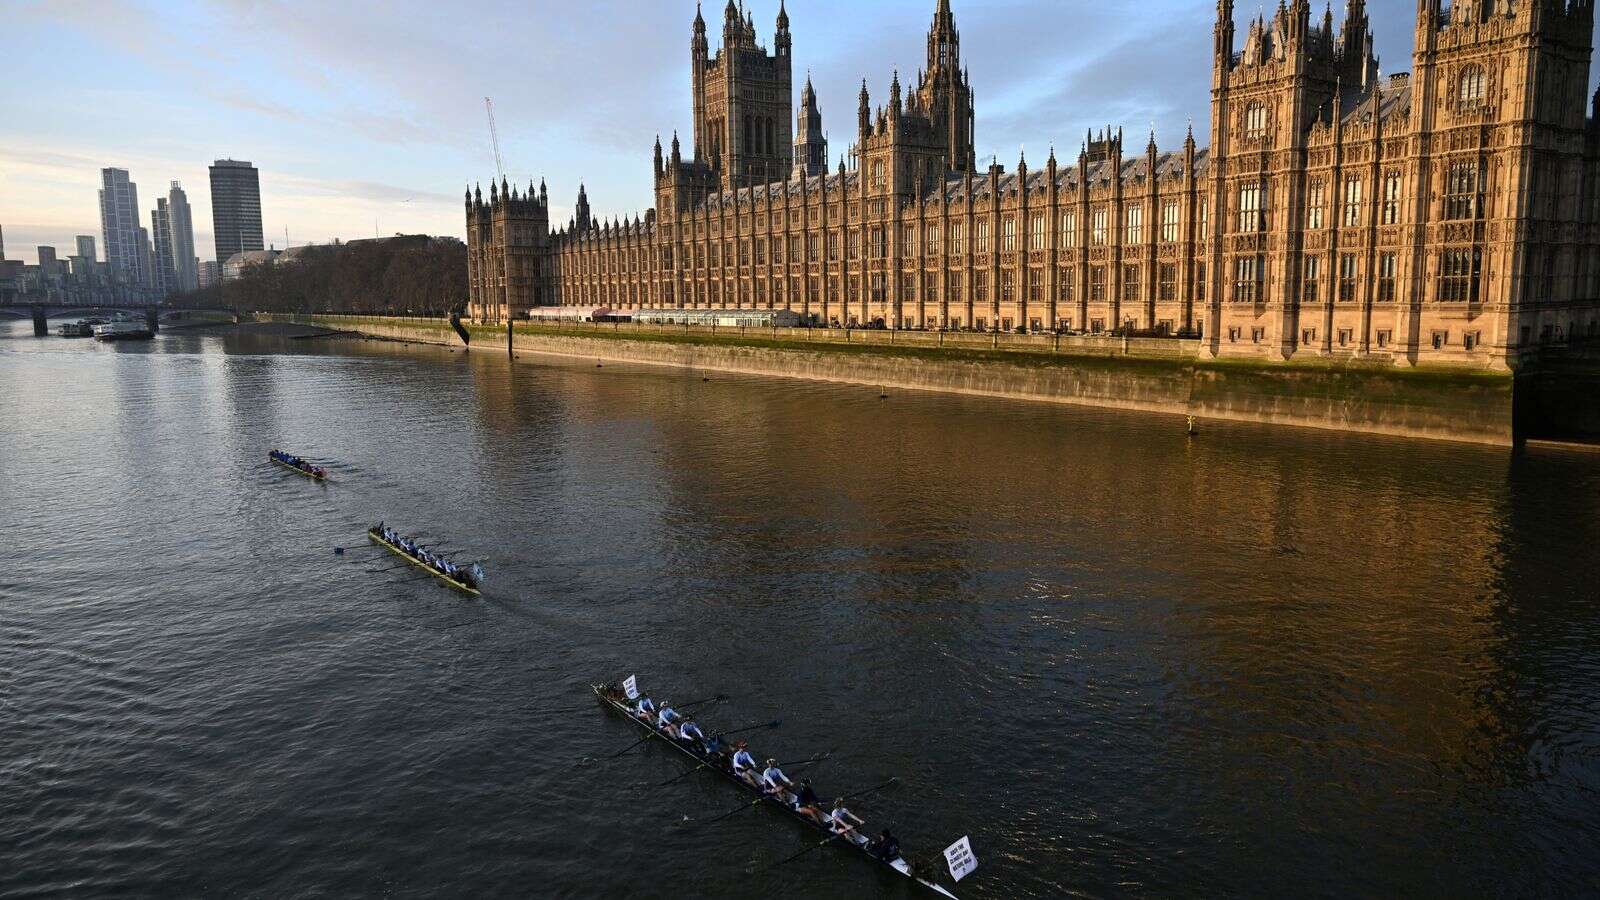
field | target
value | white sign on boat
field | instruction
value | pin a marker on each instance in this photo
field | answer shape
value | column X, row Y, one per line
column 631, row 686
column 960, row 858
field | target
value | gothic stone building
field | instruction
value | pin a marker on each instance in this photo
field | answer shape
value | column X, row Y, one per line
column 1445, row 216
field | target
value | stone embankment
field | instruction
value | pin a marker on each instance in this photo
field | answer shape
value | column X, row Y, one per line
column 1158, row 376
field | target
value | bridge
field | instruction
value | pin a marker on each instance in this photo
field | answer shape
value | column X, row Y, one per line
column 154, row 315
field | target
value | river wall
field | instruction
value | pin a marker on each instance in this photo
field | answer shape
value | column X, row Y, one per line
column 1163, row 376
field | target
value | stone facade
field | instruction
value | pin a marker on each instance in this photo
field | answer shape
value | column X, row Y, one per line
column 1449, row 216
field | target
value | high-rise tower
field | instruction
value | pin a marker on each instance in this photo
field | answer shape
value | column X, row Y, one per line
column 235, row 207
column 743, row 101
column 119, row 226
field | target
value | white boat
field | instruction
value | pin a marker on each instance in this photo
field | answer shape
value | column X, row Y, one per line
column 123, row 331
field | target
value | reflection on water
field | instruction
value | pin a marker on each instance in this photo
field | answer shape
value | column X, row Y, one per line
column 1123, row 661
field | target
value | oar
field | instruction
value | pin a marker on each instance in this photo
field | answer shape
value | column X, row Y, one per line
column 790, row 859
column 773, row 724
column 798, row 764
column 676, row 706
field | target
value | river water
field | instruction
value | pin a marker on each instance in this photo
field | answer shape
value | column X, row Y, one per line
column 1126, row 663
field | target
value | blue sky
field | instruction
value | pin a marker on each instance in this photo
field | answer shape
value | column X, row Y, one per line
column 367, row 116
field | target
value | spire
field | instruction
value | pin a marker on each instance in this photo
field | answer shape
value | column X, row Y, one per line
column 865, row 109
column 677, row 151
column 699, row 20
column 781, row 39
column 544, row 193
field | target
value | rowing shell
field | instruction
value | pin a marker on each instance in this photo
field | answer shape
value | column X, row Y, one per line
column 898, row 864
column 298, row 469
column 423, row 566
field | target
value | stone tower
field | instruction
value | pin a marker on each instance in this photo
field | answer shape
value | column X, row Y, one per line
column 1502, row 90
column 743, row 101
column 945, row 92
column 811, row 147
column 508, row 242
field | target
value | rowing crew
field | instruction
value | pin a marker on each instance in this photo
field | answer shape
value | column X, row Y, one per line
column 471, row 576
column 769, row 780
column 290, row 459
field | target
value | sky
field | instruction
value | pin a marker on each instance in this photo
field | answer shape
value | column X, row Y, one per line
column 368, row 118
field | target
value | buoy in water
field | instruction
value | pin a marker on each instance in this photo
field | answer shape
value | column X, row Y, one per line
column 338, row 551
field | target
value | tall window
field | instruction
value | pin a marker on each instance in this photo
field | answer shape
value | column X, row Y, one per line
column 1313, row 278
column 934, row 233
column 1097, row 233
column 1205, row 219
column 1352, row 201
column 1349, row 268
column 1167, row 283
column 878, row 247
column 1132, row 287
column 1097, row 283
column 878, row 177
column 1247, row 278
column 1255, row 120
column 1316, row 204
column 1471, row 87
column 1200, row 281
column 1008, row 234
column 953, row 292
column 1386, row 279
column 983, row 237
column 908, row 240
column 1134, row 234
column 1251, row 208
column 1169, row 221
column 1066, row 284
column 1069, row 229
column 958, row 239
column 1038, row 233
column 1035, row 285
column 1391, row 198
column 1459, row 272
column 1461, row 191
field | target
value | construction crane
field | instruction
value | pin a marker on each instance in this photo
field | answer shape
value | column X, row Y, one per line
column 494, row 138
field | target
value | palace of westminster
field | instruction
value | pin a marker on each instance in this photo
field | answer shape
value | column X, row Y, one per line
column 1450, row 215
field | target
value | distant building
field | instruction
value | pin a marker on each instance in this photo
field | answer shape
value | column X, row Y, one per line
column 166, row 277
column 236, row 208
column 86, row 247
column 2, row 245
column 119, row 227
column 180, row 231
column 48, row 264
column 147, row 259
column 238, row 262
column 209, row 272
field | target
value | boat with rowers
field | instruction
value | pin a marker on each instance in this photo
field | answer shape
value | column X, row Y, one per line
column 290, row 461
column 467, row 579
column 617, row 699
column 78, row 329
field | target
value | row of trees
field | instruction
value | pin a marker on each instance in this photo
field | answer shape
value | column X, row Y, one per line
column 406, row 275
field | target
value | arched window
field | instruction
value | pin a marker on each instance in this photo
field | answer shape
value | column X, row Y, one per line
column 1255, row 120
column 1471, row 87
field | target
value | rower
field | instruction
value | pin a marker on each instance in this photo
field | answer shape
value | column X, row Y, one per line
column 668, row 718
column 690, row 733
column 807, row 804
column 646, row 709
column 777, row 783
column 886, row 847
column 744, row 765
column 845, row 821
